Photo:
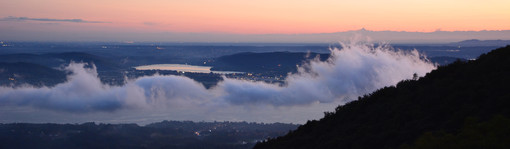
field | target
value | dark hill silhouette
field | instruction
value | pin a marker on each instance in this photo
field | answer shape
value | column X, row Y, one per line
column 447, row 108
column 265, row 62
column 102, row 63
column 282, row 62
column 476, row 42
column 14, row 74
column 109, row 70
column 58, row 59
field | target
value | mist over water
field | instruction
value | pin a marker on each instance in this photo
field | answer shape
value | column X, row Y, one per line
column 354, row 70
column 318, row 86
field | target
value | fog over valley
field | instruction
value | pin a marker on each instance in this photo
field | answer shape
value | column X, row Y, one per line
column 351, row 70
column 262, row 74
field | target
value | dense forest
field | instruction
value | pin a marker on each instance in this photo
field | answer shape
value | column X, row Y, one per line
column 166, row 134
column 461, row 105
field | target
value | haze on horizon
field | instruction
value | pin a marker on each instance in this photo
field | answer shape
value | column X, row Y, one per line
column 251, row 21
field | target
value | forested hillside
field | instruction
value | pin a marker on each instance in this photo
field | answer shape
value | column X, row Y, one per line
column 461, row 105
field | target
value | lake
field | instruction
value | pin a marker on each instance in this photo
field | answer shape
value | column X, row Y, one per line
column 183, row 68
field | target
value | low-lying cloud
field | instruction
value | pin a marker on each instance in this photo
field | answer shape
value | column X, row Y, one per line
column 84, row 92
column 12, row 18
column 354, row 70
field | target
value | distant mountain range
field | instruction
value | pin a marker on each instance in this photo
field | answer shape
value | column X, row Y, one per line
column 402, row 36
column 476, row 42
column 461, row 105
column 362, row 34
column 376, row 36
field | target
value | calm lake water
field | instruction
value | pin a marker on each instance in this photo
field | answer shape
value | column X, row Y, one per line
column 183, row 68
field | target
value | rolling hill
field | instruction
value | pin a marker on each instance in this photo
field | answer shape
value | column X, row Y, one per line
column 283, row 62
column 108, row 69
column 58, row 59
column 18, row 73
column 461, row 105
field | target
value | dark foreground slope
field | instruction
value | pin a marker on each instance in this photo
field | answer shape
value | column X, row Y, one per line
column 462, row 105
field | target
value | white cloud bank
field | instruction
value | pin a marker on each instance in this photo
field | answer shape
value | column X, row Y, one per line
column 319, row 86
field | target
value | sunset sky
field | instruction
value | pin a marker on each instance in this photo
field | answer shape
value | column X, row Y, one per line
column 61, row 17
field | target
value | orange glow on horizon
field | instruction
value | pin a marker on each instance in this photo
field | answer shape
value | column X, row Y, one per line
column 272, row 17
